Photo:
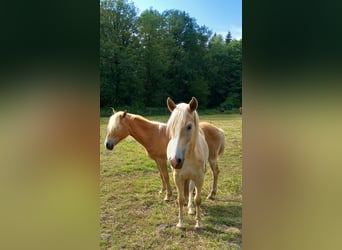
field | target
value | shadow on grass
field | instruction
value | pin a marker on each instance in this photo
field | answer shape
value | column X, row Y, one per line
column 216, row 218
column 223, row 214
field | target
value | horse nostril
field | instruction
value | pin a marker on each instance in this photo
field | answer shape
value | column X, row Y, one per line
column 176, row 162
column 109, row 145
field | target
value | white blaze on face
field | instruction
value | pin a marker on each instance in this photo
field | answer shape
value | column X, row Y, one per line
column 171, row 149
column 175, row 154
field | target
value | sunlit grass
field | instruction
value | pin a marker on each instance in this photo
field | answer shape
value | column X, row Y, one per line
column 134, row 215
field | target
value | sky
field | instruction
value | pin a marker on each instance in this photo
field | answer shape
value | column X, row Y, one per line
column 220, row 16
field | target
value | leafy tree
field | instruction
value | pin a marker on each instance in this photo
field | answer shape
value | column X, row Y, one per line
column 154, row 63
column 118, row 41
column 217, row 71
column 147, row 58
column 186, row 47
column 224, row 62
column 234, row 50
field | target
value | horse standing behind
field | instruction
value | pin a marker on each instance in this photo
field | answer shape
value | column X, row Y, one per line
column 187, row 152
column 152, row 135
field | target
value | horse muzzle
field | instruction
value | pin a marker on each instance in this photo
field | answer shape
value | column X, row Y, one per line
column 176, row 163
column 109, row 145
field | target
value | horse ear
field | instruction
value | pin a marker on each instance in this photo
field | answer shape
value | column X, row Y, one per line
column 193, row 104
column 113, row 110
column 124, row 114
column 170, row 104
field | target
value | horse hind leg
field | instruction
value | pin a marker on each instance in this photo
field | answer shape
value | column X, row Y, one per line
column 186, row 192
column 215, row 171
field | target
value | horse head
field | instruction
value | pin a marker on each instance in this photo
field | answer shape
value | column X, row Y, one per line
column 116, row 129
column 182, row 128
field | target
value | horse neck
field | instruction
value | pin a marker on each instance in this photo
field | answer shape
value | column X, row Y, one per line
column 140, row 129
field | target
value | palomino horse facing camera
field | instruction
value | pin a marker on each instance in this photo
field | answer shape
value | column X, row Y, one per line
column 187, row 152
column 152, row 135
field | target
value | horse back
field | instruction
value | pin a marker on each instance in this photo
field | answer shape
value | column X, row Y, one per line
column 215, row 139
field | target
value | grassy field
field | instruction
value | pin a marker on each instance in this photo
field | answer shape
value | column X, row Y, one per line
column 133, row 214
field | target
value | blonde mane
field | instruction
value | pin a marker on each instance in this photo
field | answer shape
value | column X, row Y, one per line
column 139, row 117
column 179, row 116
column 161, row 126
column 114, row 121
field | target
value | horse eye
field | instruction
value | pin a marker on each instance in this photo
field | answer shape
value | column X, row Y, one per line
column 189, row 127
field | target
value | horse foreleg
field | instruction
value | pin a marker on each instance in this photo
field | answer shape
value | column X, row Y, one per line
column 191, row 208
column 198, row 200
column 164, row 175
column 162, row 179
column 180, row 190
column 166, row 178
column 216, row 171
column 163, row 184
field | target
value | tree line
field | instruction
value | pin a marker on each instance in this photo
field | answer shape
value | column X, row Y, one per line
column 146, row 58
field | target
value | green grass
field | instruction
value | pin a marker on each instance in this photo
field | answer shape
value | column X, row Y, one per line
column 133, row 214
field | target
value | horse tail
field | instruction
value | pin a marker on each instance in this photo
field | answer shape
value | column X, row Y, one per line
column 222, row 146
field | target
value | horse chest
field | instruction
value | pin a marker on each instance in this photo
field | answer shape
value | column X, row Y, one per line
column 189, row 171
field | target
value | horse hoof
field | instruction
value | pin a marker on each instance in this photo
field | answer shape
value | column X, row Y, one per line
column 198, row 226
column 211, row 197
column 167, row 197
column 191, row 212
column 180, row 226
